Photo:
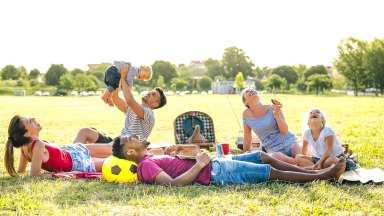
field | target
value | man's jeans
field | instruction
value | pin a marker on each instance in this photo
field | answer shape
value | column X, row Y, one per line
column 241, row 169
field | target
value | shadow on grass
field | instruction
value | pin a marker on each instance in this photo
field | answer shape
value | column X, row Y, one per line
column 88, row 192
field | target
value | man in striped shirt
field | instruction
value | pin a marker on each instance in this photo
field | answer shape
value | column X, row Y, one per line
column 139, row 119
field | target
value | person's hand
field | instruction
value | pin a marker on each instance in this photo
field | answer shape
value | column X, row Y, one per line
column 317, row 166
column 202, row 159
column 277, row 109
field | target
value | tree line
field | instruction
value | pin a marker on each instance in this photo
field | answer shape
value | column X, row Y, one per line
column 359, row 66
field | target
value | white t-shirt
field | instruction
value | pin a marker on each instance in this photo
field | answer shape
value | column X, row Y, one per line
column 319, row 146
column 137, row 126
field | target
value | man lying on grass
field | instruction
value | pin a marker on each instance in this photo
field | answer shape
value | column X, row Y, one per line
column 249, row 168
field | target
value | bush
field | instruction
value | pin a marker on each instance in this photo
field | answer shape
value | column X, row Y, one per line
column 34, row 83
column 178, row 84
column 301, row 86
column 22, row 83
column 204, row 84
column 259, row 85
column 6, row 91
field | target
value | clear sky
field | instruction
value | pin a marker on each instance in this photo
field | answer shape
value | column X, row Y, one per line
column 78, row 32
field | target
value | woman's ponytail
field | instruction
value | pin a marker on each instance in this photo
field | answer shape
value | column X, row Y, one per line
column 9, row 159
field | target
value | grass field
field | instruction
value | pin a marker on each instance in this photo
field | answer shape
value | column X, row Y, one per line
column 358, row 121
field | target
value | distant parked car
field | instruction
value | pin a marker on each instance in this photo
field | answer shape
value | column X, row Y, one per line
column 61, row 92
column 38, row 93
column 83, row 93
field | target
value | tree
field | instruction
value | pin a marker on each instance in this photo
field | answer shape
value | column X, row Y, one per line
column 34, row 74
column 23, row 72
column 67, row 82
column 259, row 85
column 318, row 69
column 54, row 73
column 239, row 81
column 301, row 85
column 98, row 70
column 165, row 69
column 83, row 82
column 263, row 73
column 275, row 82
column 178, row 84
column 204, row 84
column 339, row 82
column 350, row 63
column 10, row 72
column 286, row 72
column 374, row 63
column 214, row 68
column 319, row 82
column 235, row 60
column 300, row 70
column 95, row 81
column 160, row 82
column 76, row 71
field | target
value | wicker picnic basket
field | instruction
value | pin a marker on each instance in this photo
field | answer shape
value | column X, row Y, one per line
column 186, row 124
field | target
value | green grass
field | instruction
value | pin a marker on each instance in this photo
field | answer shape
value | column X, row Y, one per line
column 358, row 121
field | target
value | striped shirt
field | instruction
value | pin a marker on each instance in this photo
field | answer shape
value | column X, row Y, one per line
column 134, row 125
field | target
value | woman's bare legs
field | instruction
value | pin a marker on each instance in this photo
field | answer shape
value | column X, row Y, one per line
column 282, row 157
column 296, row 149
column 304, row 160
column 98, row 163
column 330, row 161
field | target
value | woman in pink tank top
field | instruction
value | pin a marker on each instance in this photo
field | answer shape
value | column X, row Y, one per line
column 23, row 133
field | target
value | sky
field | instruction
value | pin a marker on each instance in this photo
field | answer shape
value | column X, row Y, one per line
column 75, row 33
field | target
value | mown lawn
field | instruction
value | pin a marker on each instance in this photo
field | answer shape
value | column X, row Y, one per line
column 358, row 121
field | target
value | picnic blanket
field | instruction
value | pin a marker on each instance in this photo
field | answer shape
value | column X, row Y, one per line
column 77, row 175
column 363, row 176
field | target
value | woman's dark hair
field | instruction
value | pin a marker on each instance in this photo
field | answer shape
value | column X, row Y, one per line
column 163, row 99
column 16, row 138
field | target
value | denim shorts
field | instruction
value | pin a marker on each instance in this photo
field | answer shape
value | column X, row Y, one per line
column 81, row 157
column 287, row 150
column 241, row 169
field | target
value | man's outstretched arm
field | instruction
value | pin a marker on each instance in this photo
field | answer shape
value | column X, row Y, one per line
column 186, row 178
column 119, row 103
column 129, row 99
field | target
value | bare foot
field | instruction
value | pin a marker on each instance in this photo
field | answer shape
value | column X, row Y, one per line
column 339, row 168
